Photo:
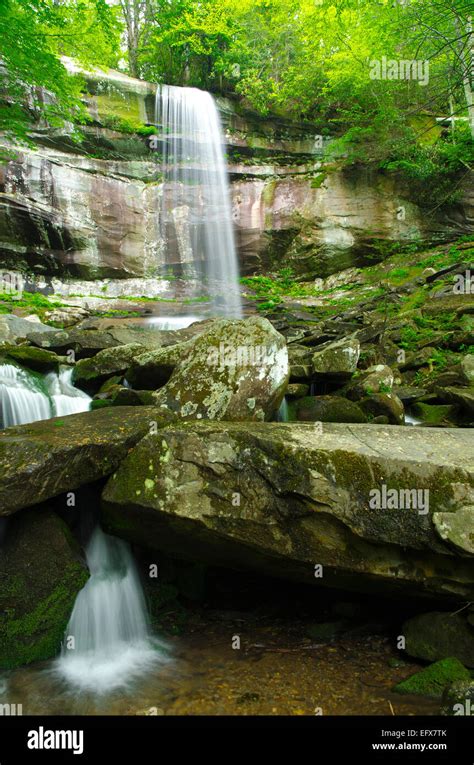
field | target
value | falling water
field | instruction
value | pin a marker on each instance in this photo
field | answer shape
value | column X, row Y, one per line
column 107, row 641
column 26, row 396
column 65, row 397
column 196, row 213
column 22, row 398
column 283, row 413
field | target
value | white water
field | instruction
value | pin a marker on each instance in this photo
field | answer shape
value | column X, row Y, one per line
column 196, row 212
column 171, row 322
column 65, row 397
column 283, row 413
column 109, row 623
column 26, row 397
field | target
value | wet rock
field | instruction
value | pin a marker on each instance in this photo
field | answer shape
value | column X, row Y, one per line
column 84, row 343
column 327, row 409
column 435, row 414
column 385, row 405
column 438, row 635
column 34, row 358
column 89, row 373
column 297, row 390
column 283, row 498
column 238, row 370
column 153, row 369
column 42, row 571
column 433, row 680
column 47, row 458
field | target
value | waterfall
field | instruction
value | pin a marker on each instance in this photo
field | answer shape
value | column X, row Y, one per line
column 196, row 212
column 26, row 396
column 283, row 413
column 22, row 398
column 107, row 640
column 65, row 397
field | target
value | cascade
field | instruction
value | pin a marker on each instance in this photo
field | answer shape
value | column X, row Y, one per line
column 27, row 396
column 196, row 212
column 107, row 641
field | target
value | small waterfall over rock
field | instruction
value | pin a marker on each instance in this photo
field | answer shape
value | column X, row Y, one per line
column 107, row 641
column 196, row 213
column 283, row 414
column 27, row 396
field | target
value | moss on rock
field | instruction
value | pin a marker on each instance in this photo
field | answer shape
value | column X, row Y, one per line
column 41, row 571
column 433, row 680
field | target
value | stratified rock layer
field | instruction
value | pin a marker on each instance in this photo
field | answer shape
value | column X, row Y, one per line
column 288, row 498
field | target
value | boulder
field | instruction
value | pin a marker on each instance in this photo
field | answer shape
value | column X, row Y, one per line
column 37, row 359
column 41, row 571
column 326, row 409
column 49, row 457
column 337, row 360
column 153, row 369
column 283, row 498
column 90, row 373
column 84, row 343
column 462, row 396
column 12, row 327
column 237, row 370
column 297, row 390
column 438, row 634
column 435, row 679
column 384, row 405
column 375, row 379
column 435, row 414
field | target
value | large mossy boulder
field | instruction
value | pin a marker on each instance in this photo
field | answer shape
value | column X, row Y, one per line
column 438, row 634
column 326, row 409
column 90, row 373
column 237, row 370
column 46, row 458
column 41, row 572
column 435, row 679
column 284, row 498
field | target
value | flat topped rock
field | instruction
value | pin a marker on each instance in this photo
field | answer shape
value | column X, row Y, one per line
column 357, row 499
column 46, row 458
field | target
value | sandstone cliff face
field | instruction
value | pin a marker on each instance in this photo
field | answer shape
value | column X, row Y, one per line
column 65, row 213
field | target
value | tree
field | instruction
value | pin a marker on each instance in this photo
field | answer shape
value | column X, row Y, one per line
column 34, row 79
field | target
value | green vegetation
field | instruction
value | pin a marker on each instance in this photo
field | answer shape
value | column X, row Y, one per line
column 434, row 679
column 317, row 62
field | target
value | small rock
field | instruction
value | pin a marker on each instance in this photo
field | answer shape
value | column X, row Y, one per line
column 433, row 680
